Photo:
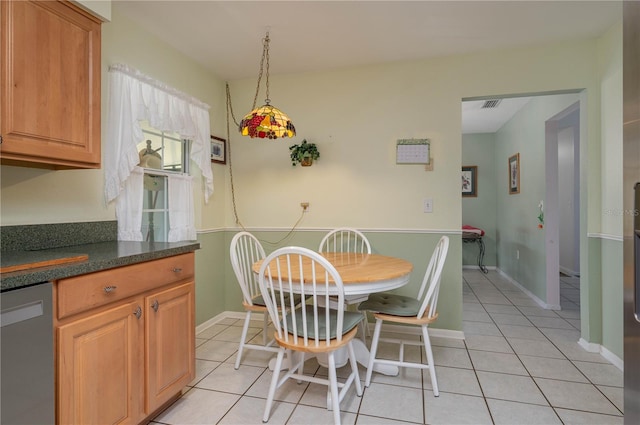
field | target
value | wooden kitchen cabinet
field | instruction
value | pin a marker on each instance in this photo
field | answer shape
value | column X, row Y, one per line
column 49, row 85
column 170, row 335
column 101, row 368
column 125, row 347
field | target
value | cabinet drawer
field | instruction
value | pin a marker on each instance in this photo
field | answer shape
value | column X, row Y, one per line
column 81, row 293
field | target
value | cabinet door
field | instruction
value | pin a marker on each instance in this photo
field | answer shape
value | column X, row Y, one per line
column 170, row 343
column 100, row 368
column 50, row 85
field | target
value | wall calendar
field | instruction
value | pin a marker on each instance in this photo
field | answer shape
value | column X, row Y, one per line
column 413, row 151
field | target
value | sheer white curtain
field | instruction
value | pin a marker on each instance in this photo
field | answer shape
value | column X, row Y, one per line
column 129, row 207
column 135, row 97
column 181, row 212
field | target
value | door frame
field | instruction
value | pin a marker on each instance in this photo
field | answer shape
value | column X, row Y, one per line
column 569, row 117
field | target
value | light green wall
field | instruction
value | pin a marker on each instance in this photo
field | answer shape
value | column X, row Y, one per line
column 479, row 150
column 612, row 296
column 414, row 247
column 213, row 277
column 517, row 213
column 591, row 292
column 610, row 70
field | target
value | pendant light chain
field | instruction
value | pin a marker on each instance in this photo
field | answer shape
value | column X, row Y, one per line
column 265, row 55
column 233, row 193
column 230, row 116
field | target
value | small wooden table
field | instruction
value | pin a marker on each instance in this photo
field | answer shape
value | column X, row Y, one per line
column 362, row 274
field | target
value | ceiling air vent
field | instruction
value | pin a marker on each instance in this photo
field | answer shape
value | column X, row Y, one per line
column 493, row 103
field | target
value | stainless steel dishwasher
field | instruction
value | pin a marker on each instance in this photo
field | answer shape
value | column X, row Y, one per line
column 26, row 335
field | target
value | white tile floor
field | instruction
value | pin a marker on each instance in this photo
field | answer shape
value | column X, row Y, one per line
column 519, row 364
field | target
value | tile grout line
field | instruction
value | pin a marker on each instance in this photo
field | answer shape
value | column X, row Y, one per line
column 589, row 381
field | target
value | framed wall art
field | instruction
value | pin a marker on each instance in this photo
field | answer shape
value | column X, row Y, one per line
column 218, row 150
column 470, row 181
column 514, row 174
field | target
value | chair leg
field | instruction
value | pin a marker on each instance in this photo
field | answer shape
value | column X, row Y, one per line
column 374, row 349
column 243, row 337
column 301, row 368
column 354, row 369
column 333, row 384
column 273, row 386
column 264, row 328
column 432, row 366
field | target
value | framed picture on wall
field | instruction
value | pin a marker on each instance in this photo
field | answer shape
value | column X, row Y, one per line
column 218, row 150
column 514, row 174
column 470, row 181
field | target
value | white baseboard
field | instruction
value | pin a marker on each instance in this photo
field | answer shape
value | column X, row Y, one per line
column 569, row 272
column 615, row 360
column 475, row 267
column 411, row 330
column 530, row 294
column 589, row 346
column 603, row 351
column 220, row 317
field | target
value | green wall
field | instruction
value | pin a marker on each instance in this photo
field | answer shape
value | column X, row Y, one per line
column 218, row 290
column 517, row 214
column 612, row 296
column 479, row 150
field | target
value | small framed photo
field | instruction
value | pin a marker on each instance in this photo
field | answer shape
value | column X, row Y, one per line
column 514, row 174
column 218, row 150
column 470, row 181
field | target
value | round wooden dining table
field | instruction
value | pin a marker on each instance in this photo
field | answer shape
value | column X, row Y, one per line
column 362, row 274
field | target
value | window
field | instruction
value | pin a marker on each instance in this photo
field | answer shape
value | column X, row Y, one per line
column 161, row 154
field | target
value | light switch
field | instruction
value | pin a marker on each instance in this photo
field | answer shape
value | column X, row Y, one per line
column 428, row 205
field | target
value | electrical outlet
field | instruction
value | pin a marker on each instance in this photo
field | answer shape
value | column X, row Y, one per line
column 305, row 206
column 428, row 205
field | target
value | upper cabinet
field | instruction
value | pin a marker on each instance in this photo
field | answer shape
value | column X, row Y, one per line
column 50, row 85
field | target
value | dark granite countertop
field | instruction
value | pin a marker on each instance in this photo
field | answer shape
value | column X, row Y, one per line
column 102, row 256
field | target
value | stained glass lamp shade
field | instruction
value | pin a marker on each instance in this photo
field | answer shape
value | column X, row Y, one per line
column 267, row 122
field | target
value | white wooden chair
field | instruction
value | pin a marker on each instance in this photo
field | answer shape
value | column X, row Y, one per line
column 245, row 250
column 420, row 311
column 313, row 328
column 345, row 239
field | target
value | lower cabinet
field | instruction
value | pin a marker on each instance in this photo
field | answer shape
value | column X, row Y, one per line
column 170, row 342
column 101, row 368
column 120, row 362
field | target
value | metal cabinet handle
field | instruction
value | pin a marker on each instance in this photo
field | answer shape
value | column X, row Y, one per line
column 110, row 288
column 155, row 305
column 138, row 312
column 177, row 269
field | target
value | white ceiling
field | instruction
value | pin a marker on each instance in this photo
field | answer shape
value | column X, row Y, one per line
column 226, row 36
column 476, row 119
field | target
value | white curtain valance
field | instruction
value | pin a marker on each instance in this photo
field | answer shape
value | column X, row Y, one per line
column 136, row 97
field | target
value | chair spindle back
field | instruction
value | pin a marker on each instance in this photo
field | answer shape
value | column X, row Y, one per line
column 345, row 239
column 430, row 288
column 281, row 273
column 245, row 250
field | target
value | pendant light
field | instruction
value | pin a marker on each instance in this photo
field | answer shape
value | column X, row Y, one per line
column 266, row 122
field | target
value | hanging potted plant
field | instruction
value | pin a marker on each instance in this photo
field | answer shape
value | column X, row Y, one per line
column 303, row 153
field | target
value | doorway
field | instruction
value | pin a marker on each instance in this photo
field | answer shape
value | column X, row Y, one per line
column 562, row 199
column 545, row 132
